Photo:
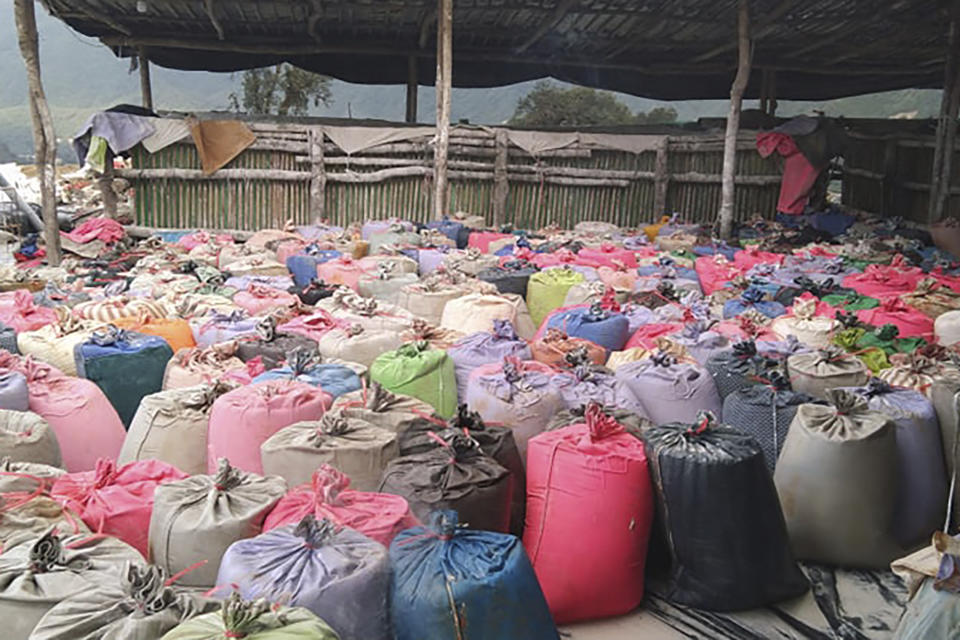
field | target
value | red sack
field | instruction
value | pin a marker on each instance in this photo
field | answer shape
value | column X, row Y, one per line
column 878, row 282
column 379, row 516
column 245, row 418
column 608, row 255
column 115, row 500
column 646, row 336
column 18, row 311
column 589, row 513
column 910, row 322
column 259, row 299
column 714, row 272
column 86, row 424
column 313, row 326
column 747, row 258
column 482, row 239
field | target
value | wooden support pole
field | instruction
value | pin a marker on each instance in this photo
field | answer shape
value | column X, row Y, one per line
column 318, row 179
column 501, row 180
column 413, row 87
column 44, row 137
column 764, row 90
column 443, row 88
column 661, row 178
column 146, row 90
column 947, row 124
column 105, row 184
column 733, row 119
column 772, row 93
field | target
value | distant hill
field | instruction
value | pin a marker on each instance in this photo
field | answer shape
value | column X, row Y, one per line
column 81, row 76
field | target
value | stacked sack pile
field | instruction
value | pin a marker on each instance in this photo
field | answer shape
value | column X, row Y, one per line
column 407, row 431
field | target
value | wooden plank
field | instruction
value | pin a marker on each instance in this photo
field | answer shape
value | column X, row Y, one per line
column 318, row 171
column 444, row 83
column 661, row 178
column 222, row 174
column 501, row 181
column 744, row 47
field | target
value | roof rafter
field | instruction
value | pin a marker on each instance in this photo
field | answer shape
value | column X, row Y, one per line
column 559, row 13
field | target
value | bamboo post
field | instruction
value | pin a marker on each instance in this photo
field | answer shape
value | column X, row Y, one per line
column 105, row 185
column 44, row 137
column 413, row 87
column 443, row 84
column 733, row 119
column 146, row 90
column 501, row 181
column 946, row 125
column 661, row 178
column 318, row 178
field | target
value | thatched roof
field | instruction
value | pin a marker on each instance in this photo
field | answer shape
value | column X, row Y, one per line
column 668, row 49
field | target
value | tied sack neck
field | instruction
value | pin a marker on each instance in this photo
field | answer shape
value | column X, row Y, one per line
column 227, row 477
column 315, row 533
column 328, row 483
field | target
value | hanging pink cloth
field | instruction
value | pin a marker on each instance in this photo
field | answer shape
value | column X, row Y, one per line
column 798, row 174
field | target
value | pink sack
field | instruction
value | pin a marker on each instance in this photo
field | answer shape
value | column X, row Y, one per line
column 714, row 272
column 878, row 282
column 482, row 239
column 313, row 326
column 245, row 418
column 379, row 516
column 618, row 278
column 751, row 257
column 115, row 500
column 744, row 328
column 19, row 312
column 608, row 255
column 86, row 424
column 588, row 481
column 910, row 322
column 344, row 270
column 198, row 238
column 646, row 336
column 555, row 259
column 259, row 299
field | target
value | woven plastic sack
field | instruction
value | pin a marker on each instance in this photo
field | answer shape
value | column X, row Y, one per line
column 585, row 384
column 357, row 344
column 116, row 500
column 666, row 390
column 555, row 349
column 87, row 426
column 126, row 366
column 31, row 514
column 745, row 561
column 385, row 285
column 456, row 475
column 55, row 343
column 764, row 412
column 337, row 573
column 547, row 291
column 196, row 519
column 336, row 378
column 509, row 279
column 14, row 395
column 588, row 481
column 8, row 339
column 442, row 574
column 698, row 340
column 836, row 484
column 803, row 323
column 37, row 572
column 220, row 327
column 427, row 299
column 110, row 309
column 379, row 407
column 19, row 312
column 351, row 308
column 303, row 267
column 610, row 330
column 516, row 394
column 272, row 346
column 947, row 328
column 257, row 620
column 416, row 370
column 175, row 331
column 313, row 326
column 204, row 365
column 341, row 271
column 26, row 437
column 357, row 448
column 379, row 516
column 139, row 606
column 171, row 426
column 478, row 312
column 243, row 419
column 817, row 372
column 485, row 348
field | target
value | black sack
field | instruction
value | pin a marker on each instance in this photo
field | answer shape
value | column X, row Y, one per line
column 495, row 441
column 719, row 509
column 508, row 279
column 272, row 346
column 455, row 475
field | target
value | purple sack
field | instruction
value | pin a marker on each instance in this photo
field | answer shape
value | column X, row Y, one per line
column 586, row 384
column 701, row 343
column 14, row 395
column 668, row 391
column 221, row 327
column 337, row 573
column 485, row 348
column 429, row 259
column 241, row 283
column 923, row 483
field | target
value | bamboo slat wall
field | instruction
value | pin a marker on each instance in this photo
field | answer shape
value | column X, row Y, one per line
column 889, row 173
column 280, row 178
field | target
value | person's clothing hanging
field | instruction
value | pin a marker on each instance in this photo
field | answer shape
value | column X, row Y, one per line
column 219, row 141
column 799, row 175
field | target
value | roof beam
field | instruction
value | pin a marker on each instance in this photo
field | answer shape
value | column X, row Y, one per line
column 315, row 15
column 208, row 5
column 559, row 13
column 94, row 14
column 425, row 23
column 763, row 27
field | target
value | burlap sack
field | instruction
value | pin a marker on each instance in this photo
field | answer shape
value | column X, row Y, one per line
column 817, row 372
column 381, row 408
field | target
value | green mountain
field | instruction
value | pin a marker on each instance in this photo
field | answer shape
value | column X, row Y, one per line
column 81, row 76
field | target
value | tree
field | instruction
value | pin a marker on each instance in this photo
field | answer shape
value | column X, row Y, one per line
column 657, row 115
column 548, row 105
column 282, row 90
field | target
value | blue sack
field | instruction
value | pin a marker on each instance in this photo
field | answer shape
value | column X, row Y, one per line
column 452, row 229
column 303, row 266
column 610, row 330
column 459, row 584
column 752, row 298
column 335, row 379
column 125, row 365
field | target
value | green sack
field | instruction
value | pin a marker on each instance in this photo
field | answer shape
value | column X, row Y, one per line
column 419, row 371
column 886, row 338
column 253, row 620
column 851, row 301
column 875, row 359
column 547, row 289
column 848, row 338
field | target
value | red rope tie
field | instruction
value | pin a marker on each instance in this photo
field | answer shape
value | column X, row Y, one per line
column 180, row 574
column 234, row 634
